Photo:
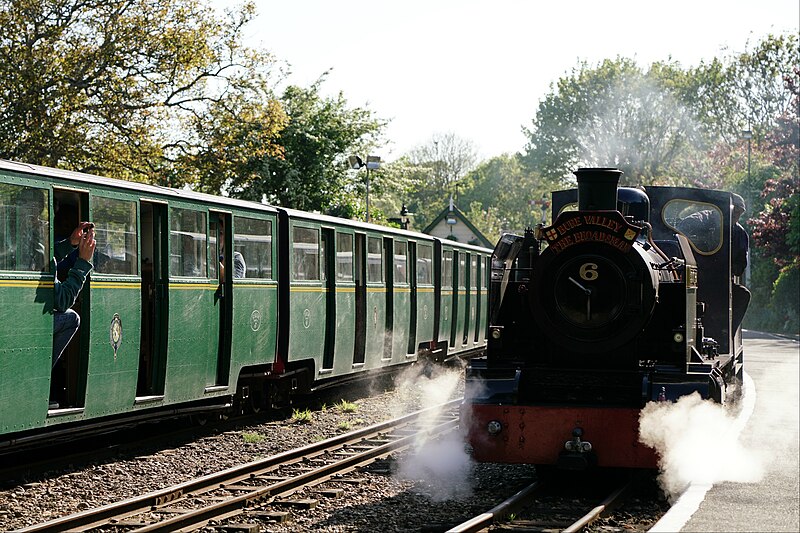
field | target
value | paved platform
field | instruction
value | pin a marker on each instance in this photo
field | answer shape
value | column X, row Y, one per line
column 771, row 434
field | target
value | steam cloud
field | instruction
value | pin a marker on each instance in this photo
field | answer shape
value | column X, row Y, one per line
column 442, row 463
column 683, row 434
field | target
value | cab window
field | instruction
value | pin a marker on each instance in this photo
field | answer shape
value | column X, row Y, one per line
column 699, row 222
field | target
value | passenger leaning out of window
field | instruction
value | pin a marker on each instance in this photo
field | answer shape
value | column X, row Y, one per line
column 65, row 320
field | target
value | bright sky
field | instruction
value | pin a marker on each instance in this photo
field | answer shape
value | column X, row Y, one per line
column 479, row 68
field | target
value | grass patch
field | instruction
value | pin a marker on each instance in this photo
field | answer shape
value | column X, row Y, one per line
column 301, row 417
column 347, row 407
column 344, row 425
column 252, row 438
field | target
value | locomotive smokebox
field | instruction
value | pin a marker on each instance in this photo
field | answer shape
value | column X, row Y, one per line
column 597, row 188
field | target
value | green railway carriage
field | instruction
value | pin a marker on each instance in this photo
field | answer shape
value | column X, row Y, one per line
column 463, row 278
column 198, row 302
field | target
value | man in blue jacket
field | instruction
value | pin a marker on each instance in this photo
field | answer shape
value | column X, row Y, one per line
column 65, row 320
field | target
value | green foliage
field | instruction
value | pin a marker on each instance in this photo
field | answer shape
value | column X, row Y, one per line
column 252, row 438
column 347, row 407
column 302, row 417
column 311, row 173
column 432, row 173
column 614, row 115
column 785, row 296
column 500, row 195
column 343, row 426
column 130, row 89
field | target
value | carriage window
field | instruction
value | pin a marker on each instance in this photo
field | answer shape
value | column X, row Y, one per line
column 374, row 260
column 25, row 232
column 253, row 239
column 306, row 254
column 447, row 269
column 485, row 276
column 187, row 239
column 400, row 262
column 424, row 263
column 699, row 222
column 473, row 273
column 344, row 257
column 115, row 232
column 462, row 269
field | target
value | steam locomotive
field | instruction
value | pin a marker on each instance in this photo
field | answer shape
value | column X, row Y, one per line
column 627, row 298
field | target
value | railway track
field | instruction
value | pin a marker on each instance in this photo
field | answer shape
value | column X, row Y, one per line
column 248, row 488
column 537, row 514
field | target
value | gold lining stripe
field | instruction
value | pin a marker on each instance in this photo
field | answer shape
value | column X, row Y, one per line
column 115, row 285
column 192, row 286
column 26, row 283
column 308, row 289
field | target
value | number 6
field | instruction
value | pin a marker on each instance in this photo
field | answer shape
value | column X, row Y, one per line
column 588, row 271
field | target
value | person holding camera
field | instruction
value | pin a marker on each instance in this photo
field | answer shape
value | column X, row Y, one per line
column 65, row 320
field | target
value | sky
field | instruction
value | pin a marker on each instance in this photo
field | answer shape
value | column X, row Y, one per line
column 478, row 69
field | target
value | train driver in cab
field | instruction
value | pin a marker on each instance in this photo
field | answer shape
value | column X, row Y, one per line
column 740, row 247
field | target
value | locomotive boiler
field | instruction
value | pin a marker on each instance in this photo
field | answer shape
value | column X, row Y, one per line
column 614, row 305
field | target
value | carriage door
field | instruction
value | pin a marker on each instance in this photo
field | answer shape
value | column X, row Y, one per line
column 388, row 266
column 328, row 257
column 68, row 384
column 155, row 282
column 411, row 275
column 221, row 266
column 360, row 277
column 457, row 281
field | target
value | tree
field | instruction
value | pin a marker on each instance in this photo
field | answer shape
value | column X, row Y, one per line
column 614, row 115
column 435, row 168
column 311, row 172
column 130, row 88
column 500, row 195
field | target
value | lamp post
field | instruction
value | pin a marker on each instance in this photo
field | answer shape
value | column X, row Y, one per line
column 373, row 162
column 748, row 134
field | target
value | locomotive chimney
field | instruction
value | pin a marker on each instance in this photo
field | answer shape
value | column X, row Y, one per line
column 597, row 188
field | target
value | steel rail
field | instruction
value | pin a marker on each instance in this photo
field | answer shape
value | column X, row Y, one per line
column 518, row 500
column 595, row 513
column 500, row 511
column 140, row 504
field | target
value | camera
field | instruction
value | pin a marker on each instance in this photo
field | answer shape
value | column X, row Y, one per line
column 87, row 228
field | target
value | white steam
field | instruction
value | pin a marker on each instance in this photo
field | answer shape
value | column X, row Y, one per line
column 697, row 442
column 440, row 467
